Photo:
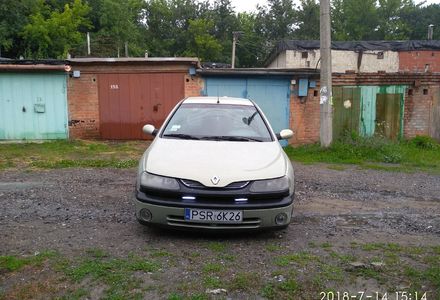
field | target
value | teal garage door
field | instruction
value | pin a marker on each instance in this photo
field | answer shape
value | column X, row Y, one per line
column 271, row 95
column 33, row 106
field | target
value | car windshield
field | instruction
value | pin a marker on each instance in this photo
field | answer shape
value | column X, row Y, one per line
column 228, row 122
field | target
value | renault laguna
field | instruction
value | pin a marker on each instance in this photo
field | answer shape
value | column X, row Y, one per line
column 215, row 164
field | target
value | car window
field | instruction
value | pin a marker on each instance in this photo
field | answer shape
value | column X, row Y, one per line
column 217, row 122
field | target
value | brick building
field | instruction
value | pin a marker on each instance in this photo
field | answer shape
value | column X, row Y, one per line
column 360, row 56
column 391, row 88
column 112, row 98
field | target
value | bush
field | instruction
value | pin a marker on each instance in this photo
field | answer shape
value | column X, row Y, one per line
column 425, row 142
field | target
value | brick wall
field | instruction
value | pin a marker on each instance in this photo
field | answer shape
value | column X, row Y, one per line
column 416, row 118
column 419, row 61
column 193, row 85
column 304, row 118
column 82, row 94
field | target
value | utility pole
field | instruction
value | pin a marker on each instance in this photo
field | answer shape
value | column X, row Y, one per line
column 235, row 36
column 126, row 49
column 326, row 129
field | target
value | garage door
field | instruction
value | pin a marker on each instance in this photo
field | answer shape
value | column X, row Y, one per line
column 129, row 101
column 271, row 95
column 33, row 106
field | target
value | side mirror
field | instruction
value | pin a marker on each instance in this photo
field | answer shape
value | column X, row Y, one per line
column 149, row 129
column 285, row 134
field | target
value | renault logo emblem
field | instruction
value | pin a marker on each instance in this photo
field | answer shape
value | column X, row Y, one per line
column 215, row 180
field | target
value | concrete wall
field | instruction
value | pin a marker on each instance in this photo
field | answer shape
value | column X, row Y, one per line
column 341, row 61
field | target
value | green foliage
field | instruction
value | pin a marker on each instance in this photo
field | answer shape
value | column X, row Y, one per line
column 71, row 154
column 307, row 20
column 53, row 28
column 87, row 163
column 116, row 23
column 53, row 34
column 201, row 43
column 417, row 154
column 425, row 142
column 12, row 263
column 115, row 273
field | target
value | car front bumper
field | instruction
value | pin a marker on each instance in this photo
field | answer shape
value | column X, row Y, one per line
column 255, row 218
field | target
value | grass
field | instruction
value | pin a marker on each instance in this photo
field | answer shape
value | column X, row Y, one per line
column 116, row 274
column 300, row 258
column 418, row 154
column 71, row 154
column 217, row 246
column 14, row 263
column 213, row 268
column 285, row 274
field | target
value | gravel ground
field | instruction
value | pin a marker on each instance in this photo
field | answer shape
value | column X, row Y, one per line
column 69, row 210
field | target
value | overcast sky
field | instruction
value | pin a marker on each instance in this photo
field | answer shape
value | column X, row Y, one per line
column 250, row 5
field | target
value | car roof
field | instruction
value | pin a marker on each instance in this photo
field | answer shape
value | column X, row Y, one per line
column 220, row 100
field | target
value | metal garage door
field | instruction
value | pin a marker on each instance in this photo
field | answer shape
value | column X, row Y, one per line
column 33, row 106
column 271, row 95
column 129, row 101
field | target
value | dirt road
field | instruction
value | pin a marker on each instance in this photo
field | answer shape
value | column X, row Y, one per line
column 345, row 221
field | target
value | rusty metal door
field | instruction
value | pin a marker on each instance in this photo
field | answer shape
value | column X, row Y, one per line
column 435, row 117
column 129, row 101
column 346, row 110
column 388, row 115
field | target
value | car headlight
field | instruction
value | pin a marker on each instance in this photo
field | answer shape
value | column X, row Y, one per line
column 158, row 182
column 271, row 185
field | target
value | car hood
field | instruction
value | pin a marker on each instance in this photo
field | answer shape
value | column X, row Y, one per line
column 202, row 160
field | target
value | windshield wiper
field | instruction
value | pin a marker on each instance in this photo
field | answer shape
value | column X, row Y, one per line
column 181, row 136
column 231, row 138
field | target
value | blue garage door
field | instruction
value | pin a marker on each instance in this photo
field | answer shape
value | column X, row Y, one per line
column 271, row 95
column 33, row 106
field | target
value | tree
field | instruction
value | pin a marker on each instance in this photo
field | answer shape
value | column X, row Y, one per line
column 354, row 20
column 276, row 20
column 54, row 34
column 307, row 21
column 116, row 23
column 390, row 23
column 202, row 43
column 250, row 50
column 419, row 18
column 13, row 17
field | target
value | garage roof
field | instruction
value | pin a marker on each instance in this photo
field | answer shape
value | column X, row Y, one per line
column 259, row 71
column 193, row 60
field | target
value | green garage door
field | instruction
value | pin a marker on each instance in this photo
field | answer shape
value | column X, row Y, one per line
column 33, row 106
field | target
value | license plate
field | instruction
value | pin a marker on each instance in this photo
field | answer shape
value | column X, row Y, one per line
column 211, row 215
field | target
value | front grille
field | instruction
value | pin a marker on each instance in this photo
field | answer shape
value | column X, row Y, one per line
column 197, row 185
column 247, row 223
column 192, row 184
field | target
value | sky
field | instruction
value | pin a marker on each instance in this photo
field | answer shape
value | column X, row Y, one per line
column 250, row 5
